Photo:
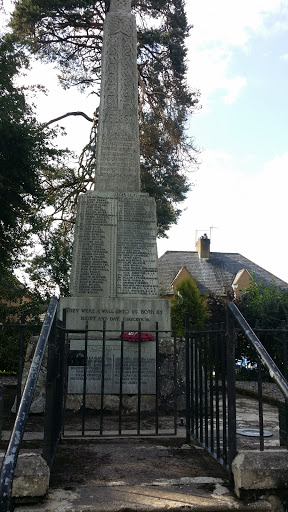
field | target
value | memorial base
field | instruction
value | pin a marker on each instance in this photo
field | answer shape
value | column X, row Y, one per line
column 94, row 310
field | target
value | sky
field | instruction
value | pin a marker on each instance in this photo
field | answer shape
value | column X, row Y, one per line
column 238, row 59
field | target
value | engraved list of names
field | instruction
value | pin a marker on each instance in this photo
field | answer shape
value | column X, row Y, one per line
column 94, row 257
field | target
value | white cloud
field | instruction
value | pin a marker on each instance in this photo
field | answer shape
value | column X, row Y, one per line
column 220, row 27
column 248, row 211
column 284, row 57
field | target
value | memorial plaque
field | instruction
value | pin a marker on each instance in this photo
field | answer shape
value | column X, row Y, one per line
column 94, row 251
column 112, row 367
column 136, row 255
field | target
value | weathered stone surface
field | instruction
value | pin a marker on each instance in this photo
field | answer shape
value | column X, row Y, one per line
column 94, row 310
column 114, row 252
column 31, row 478
column 118, row 156
column 112, row 367
column 254, row 470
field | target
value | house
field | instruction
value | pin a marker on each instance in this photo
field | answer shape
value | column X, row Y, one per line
column 217, row 273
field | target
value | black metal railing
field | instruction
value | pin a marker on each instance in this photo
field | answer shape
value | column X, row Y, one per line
column 12, row 452
column 211, row 411
column 265, row 365
column 13, row 347
column 140, row 396
column 207, row 390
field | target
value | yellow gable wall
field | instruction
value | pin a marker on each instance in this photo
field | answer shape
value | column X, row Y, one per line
column 241, row 282
column 182, row 274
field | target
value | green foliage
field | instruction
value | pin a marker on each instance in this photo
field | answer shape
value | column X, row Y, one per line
column 25, row 150
column 14, row 308
column 69, row 33
column 50, row 270
column 187, row 299
column 216, row 309
column 265, row 306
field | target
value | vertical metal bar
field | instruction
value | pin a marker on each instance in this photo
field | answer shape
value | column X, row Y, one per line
column 196, row 384
column 187, row 350
column 84, row 381
column 206, row 337
column 54, row 393
column 20, row 360
column 121, row 379
column 102, row 377
column 284, row 345
column 211, row 378
column 216, row 352
column 139, row 380
column 175, row 384
column 200, row 389
column 231, row 391
column 157, row 380
column 285, row 371
column 260, row 404
column 192, row 387
column 65, row 377
column 224, row 390
column 65, row 367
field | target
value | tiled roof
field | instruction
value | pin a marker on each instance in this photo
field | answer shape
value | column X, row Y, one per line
column 215, row 275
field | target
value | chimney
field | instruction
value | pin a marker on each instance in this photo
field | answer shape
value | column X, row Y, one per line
column 203, row 247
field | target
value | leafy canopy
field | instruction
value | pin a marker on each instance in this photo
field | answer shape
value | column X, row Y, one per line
column 25, row 151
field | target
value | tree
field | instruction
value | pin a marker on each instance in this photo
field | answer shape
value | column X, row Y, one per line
column 69, row 33
column 264, row 305
column 25, row 151
column 187, row 299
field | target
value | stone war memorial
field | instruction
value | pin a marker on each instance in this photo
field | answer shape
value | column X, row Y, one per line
column 114, row 275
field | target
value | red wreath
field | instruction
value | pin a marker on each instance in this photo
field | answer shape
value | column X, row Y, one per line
column 134, row 336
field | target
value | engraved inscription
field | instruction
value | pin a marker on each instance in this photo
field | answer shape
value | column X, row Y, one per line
column 112, row 367
column 94, row 261
column 117, row 153
column 136, row 254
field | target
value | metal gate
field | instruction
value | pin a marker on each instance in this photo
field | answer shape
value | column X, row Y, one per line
column 130, row 386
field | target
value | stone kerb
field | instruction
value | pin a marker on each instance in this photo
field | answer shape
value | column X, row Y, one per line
column 260, row 472
column 31, row 480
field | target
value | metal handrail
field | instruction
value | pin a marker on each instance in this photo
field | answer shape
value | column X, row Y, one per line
column 261, row 351
column 11, row 455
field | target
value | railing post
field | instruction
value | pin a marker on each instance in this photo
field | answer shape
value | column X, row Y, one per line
column 231, row 392
column 20, row 360
column 188, row 405
column 11, row 456
column 54, row 392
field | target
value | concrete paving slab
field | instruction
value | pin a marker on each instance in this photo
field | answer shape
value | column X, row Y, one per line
column 201, row 494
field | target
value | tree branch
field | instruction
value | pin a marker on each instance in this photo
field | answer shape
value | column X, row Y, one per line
column 69, row 114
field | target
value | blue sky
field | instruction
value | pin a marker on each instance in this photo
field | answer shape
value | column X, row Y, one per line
column 238, row 58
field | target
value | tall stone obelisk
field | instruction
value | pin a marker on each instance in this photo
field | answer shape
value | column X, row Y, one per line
column 114, row 271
